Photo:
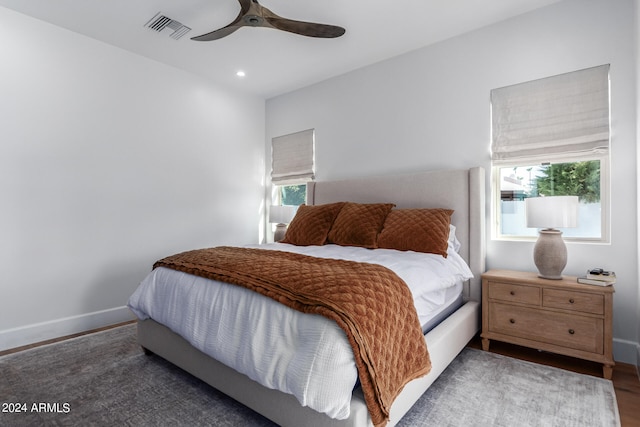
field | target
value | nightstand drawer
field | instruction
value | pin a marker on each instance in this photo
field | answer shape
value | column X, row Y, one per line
column 515, row 293
column 570, row 331
column 575, row 301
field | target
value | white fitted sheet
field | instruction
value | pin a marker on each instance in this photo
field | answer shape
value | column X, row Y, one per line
column 305, row 355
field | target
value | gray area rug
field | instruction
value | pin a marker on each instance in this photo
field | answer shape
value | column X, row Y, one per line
column 104, row 379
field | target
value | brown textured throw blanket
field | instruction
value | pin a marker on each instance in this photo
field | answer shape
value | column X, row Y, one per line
column 369, row 302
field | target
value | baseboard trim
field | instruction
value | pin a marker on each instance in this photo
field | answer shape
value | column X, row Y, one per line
column 38, row 332
column 638, row 360
column 626, row 351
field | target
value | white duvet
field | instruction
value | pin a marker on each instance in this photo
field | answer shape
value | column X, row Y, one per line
column 305, row 355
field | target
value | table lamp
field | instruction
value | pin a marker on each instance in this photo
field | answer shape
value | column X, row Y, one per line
column 547, row 214
column 281, row 215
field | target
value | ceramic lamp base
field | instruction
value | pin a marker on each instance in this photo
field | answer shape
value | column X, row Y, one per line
column 550, row 254
column 278, row 234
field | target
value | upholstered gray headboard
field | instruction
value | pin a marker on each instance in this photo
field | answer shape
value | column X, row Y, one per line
column 460, row 190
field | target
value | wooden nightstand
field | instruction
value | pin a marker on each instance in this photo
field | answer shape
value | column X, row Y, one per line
column 560, row 316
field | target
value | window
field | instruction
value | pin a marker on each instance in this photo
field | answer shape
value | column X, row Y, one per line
column 583, row 179
column 550, row 137
column 292, row 166
column 293, row 195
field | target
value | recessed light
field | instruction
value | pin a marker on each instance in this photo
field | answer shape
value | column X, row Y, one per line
column 240, row 73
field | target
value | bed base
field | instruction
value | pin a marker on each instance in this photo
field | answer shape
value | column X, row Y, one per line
column 445, row 341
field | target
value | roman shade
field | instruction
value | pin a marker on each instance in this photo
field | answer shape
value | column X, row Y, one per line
column 292, row 159
column 561, row 116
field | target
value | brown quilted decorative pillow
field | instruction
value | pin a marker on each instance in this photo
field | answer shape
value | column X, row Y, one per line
column 420, row 230
column 311, row 224
column 359, row 224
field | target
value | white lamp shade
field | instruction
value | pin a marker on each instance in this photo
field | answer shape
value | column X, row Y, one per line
column 552, row 212
column 282, row 214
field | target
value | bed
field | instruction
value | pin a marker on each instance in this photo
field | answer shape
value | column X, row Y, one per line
column 459, row 190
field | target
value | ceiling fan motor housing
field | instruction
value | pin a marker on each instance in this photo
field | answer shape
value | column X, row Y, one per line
column 253, row 20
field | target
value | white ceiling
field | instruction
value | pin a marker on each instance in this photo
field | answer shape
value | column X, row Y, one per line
column 274, row 61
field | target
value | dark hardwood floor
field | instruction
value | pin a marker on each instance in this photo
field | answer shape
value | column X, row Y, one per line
column 625, row 377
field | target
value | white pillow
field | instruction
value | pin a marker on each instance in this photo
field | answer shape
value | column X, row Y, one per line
column 453, row 240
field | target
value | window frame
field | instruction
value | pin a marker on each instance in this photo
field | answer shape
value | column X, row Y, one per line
column 605, row 192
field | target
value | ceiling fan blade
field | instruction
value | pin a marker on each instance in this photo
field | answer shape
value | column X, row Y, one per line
column 218, row 34
column 309, row 29
column 245, row 6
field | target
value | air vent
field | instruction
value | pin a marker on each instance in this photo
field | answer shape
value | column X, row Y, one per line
column 161, row 23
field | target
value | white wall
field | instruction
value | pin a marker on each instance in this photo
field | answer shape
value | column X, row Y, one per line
column 109, row 161
column 637, row 48
column 430, row 109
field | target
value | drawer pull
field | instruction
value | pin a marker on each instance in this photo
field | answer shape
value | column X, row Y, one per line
column 571, row 331
column 571, row 301
column 512, row 321
column 512, row 293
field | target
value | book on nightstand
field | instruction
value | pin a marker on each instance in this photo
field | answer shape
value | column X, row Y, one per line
column 598, row 277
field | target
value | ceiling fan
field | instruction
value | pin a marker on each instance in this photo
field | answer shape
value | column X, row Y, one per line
column 252, row 14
